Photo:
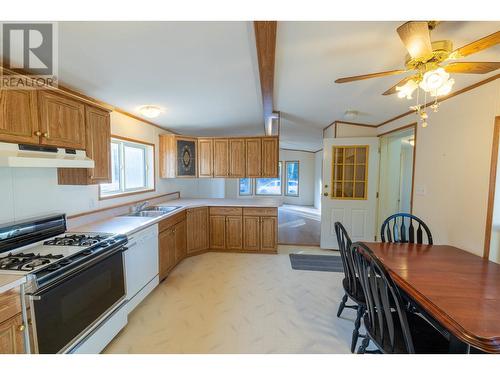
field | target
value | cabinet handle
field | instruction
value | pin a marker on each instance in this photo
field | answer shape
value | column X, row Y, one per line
column 45, row 135
column 21, row 328
column 38, row 133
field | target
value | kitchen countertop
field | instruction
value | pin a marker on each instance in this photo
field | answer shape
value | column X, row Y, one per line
column 131, row 224
column 8, row 282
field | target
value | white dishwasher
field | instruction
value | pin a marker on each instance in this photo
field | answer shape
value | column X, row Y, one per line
column 141, row 265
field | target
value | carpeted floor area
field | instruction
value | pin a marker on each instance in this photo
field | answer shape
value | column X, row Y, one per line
column 240, row 303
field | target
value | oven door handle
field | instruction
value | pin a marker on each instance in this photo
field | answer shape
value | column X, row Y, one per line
column 37, row 296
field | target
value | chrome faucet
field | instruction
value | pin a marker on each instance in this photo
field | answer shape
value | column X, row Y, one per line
column 139, row 206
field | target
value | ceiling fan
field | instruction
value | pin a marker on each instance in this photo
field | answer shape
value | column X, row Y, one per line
column 427, row 61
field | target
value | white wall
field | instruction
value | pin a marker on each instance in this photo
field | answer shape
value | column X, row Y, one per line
column 28, row 192
column 318, row 178
column 452, row 165
column 307, row 177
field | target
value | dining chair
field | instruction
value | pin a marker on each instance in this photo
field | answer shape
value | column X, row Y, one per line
column 350, row 283
column 387, row 322
column 400, row 227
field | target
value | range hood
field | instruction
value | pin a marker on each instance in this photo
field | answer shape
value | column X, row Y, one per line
column 32, row 156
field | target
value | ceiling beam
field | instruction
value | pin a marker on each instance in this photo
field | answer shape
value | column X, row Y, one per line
column 265, row 41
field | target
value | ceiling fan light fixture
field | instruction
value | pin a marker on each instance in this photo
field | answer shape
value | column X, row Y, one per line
column 445, row 89
column 150, row 111
column 407, row 89
column 434, row 79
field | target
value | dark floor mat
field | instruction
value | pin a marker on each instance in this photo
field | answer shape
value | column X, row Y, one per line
column 307, row 262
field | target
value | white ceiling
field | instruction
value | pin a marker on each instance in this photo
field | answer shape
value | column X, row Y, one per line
column 311, row 55
column 205, row 74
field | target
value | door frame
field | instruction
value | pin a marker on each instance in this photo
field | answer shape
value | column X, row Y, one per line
column 413, row 125
column 492, row 187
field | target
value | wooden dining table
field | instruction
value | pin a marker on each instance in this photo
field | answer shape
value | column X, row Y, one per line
column 457, row 290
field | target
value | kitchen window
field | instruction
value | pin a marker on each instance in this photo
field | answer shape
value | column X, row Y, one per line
column 132, row 168
column 245, row 186
column 292, row 178
column 269, row 186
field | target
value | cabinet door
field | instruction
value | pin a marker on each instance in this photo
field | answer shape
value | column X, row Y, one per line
column 166, row 255
column 180, row 241
column 237, row 158
column 270, row 155
column 18, row 116
column 62, row 121
column 197, row 229
column 268, row 233
column 12, row 336
column 99, row 144
column 221, row 158
column 253, row 157
column 217, row 232
column 205, row 158
column 234, row 232
column 251, row 233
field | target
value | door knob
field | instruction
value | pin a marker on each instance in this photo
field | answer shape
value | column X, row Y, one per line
column 325, row 194
column 38, row 133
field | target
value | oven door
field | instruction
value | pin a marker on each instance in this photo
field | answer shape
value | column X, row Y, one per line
column 66, row 309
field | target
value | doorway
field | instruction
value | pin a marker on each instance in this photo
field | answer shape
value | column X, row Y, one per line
column 397, row 154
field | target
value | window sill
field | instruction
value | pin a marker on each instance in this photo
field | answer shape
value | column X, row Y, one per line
column 119, row 195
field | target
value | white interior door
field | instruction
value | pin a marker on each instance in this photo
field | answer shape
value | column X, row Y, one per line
column 358, row 215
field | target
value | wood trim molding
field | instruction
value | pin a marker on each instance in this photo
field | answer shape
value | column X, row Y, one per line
column 413, row 124
column 293, row 149
column 356, row 124
column 449, row 96
column 265, row 41
column 85, row 213
column 492, row 188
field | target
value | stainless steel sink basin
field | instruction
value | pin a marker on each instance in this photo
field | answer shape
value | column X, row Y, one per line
column 153, row 211
column 164, row 209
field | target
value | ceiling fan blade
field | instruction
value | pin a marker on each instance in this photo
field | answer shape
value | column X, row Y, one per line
column 416, row 38
column 472, row 67
column 392, row 90
column 367, row 76
column 477, row 46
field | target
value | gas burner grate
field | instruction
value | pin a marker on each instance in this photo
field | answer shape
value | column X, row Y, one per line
column 76, row 240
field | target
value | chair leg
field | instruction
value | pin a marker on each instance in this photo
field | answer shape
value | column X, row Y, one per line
column 364, row 345
column 357, row 324
column 342, row 305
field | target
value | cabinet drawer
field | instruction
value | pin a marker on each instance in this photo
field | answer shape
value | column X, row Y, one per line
column 260, row 211
column 172, row 220
column 234, row 211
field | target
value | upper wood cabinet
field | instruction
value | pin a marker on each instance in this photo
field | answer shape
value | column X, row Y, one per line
column 98, row 144
column 237, row 158
column 198, row 227
column 62, row 121
column 221, row 158
column 253, row 147
column 224, row 157
column 19, row 116
column 205, row 157
column 270, row 157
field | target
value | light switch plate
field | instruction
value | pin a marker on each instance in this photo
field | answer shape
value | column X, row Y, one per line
column 421, row 190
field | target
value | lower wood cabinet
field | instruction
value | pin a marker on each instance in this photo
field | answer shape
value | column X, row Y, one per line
column 244, row 229
column 12, row 335
column 268, row 233
column 251, row 233
column 217, row 232
column 198, row 229
column 172, row 245
column 234, row 232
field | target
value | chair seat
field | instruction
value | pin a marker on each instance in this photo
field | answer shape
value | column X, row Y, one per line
column 426, row 339
column 357, row 296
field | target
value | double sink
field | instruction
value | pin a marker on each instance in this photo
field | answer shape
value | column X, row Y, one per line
column 153, row 211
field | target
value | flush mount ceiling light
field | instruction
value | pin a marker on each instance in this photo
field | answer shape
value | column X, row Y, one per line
column 351, row 114
column 150, row 111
